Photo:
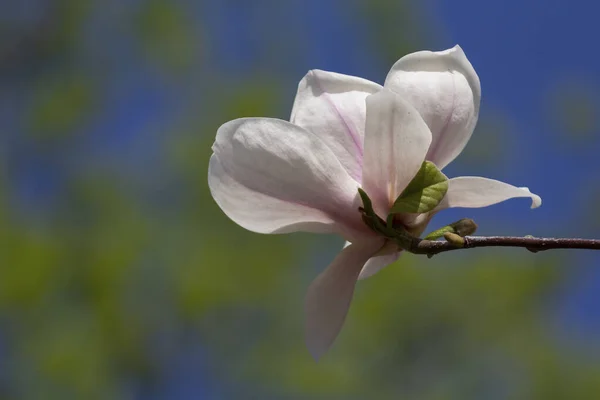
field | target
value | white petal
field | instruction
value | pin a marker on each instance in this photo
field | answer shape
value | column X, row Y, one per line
column 377, row 263
column 329, row 295
column 475, row 192
column 445, row 89
column 332, row 106
column 396, row 141
column 270, row 176
column 384, row 257
column 259, row 212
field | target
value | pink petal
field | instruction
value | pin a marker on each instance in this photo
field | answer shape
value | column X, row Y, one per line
column 329, row 295
column 270, row 176
column 396, row 141
column 387, row 255
column 332, row 106
column 377, row 263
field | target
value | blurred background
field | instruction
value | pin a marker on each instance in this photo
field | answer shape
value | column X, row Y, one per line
column 121, row 279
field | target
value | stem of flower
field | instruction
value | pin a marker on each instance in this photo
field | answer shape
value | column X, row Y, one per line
column 533, row 244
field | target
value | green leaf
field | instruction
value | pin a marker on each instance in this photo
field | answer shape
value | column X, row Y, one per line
column 424, row 192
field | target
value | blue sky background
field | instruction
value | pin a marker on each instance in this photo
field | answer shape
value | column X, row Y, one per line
column 523, row 51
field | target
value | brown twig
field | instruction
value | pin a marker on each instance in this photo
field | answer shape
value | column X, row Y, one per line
column 533, row 244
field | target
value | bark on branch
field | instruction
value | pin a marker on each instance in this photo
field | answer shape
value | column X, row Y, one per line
column 533, row 244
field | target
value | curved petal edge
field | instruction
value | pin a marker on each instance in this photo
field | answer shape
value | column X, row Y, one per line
column 475, row 192
column 270, row 176
column 444, row 87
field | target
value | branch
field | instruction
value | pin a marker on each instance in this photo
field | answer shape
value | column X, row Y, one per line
column 533, row 244
column 457, row 235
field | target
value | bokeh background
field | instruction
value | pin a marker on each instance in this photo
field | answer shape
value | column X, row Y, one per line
column 121, row 279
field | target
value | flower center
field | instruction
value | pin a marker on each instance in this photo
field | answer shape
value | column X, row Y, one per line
column 392, row 228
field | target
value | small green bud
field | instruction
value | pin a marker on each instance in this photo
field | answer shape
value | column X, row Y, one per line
column 455, row 239
column 464, row 227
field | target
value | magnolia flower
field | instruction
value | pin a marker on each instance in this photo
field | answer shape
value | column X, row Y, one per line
column 346, row 133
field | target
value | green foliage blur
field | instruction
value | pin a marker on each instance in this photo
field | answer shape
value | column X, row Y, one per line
column 129, row 265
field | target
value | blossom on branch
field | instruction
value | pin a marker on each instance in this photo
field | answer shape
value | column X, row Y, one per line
column 346, row 134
